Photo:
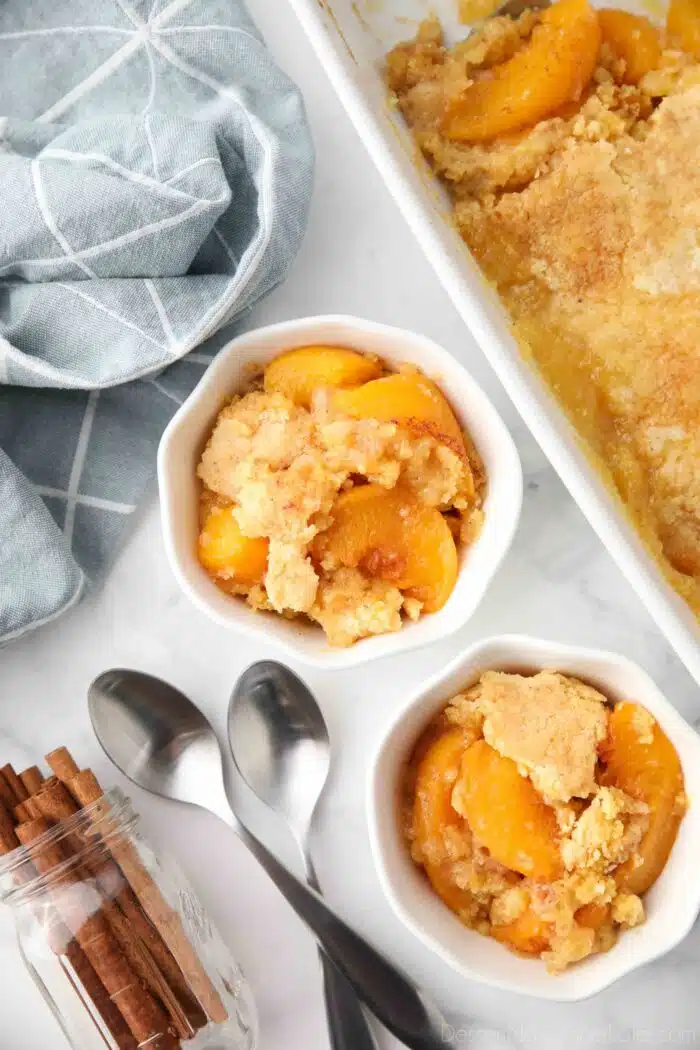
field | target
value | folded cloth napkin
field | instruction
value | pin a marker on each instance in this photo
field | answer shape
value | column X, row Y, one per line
column 155, row 175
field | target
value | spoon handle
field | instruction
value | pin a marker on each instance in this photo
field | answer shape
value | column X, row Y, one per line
column 390, row 996
column 347, row 1025
column 348, row 1028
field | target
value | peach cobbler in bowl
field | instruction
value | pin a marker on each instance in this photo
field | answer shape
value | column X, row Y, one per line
column 339, row 490
column 568, row 140
column 541, row 813
column 532, row 818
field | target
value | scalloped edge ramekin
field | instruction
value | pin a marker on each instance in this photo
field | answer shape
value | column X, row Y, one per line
column 184, row 439
column 672, row 903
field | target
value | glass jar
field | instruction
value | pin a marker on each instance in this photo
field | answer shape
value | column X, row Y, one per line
column 116, row 940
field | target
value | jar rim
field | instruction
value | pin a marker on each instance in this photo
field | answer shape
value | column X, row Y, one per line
column 119, row 811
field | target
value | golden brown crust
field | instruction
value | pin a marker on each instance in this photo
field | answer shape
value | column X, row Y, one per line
column 552, row 725
column 549, row 724
column 588, row 225
column 281, row 466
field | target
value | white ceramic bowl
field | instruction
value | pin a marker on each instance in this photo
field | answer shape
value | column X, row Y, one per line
column 673, row 902
column 184, row 439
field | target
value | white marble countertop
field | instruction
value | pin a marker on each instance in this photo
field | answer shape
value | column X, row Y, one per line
column 558, row 582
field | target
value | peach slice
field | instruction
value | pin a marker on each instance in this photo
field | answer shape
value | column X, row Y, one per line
column 390, row 535
column 409, row 399
column 528, row 934
column 651, row 772
column 552, row 68
column 507, row 815
column 632, row 38
column 593, row 915
column 683, row 22
column 297, row 373
column 433, row 811
column 224, row 551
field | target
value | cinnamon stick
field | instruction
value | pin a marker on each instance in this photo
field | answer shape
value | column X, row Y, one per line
column 86, row 790
column 62, row 943
column 21, row 813
column 7, row 795
column 8, row 838
column 62, row 764
column 27, row 810
column 145, row 1018
column 96, row 994
column 32, row 779
column 142, row 946
column 16, row 786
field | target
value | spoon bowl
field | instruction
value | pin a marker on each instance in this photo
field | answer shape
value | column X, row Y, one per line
column 158, row 738
column 279, row 742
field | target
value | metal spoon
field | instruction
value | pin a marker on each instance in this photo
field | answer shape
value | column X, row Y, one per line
column 162, row 742
column 280, row 744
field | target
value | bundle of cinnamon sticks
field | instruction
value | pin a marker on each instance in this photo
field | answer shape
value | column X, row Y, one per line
column 122, row 941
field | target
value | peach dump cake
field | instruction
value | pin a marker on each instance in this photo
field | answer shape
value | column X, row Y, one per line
column 541, row 813
column 336, row 490
column 569, row 141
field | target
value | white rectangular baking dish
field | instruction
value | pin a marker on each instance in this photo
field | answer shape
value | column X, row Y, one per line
column 351, row 38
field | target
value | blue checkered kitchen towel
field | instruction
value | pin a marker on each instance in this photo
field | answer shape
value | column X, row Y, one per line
column 155, row 175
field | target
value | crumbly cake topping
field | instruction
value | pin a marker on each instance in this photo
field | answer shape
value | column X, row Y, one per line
column 549, row 724
column 464, row 710
column 552, row 726
column 348, row 606
column 509, row 905
column 628, row 910
column 644, row 723
column 282, row 466
column 588, row 225
column 606, row 833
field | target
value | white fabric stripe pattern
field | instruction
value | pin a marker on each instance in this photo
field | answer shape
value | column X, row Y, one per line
column 151, row 144
column 117, row 242
column 199, row 359
column 265, row 207
column 57, row 110
column 87, row 501
column 22, row 34
column 101, row 160
column 162, row 313
column 166, row 393
column 73, row 600
column 107, row 68
column 227, row 247
column 238, row 30
column 5, row 350
column 130, row 14
column 192, row 167
column 78, row 464
column 51, row 226
column 110, row 313
column 152, row 69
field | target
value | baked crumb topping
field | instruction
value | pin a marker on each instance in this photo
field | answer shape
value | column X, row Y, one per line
column 549, row 724
column 587, row 224
column 281, row 466
column 607, row 832
column 594, row 806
